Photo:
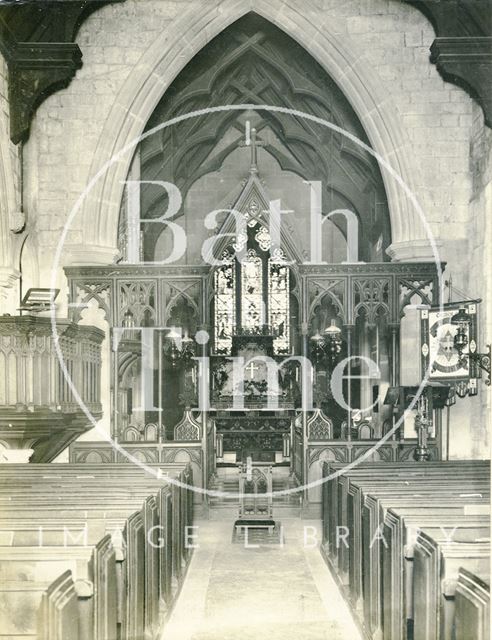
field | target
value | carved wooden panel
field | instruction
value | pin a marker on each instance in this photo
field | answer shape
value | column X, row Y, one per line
column 188, row 428
column 83, row 293
column 371, row 296
column 319, row 426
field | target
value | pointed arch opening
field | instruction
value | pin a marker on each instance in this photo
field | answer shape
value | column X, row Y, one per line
column 253, row 61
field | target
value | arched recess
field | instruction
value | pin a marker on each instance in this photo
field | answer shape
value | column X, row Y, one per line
column 168, row 55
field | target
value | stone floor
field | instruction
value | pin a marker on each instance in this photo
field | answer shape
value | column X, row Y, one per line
column 237, row 593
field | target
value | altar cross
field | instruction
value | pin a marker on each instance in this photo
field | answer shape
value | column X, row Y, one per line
column 252, row 369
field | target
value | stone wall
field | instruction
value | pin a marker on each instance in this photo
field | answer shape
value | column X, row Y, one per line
column 389, row 37
column 437, row 123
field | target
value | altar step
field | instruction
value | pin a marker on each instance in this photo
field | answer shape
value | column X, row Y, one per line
column 281, row 512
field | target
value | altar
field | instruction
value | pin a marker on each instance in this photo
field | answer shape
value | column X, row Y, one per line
column 262, row 438
column 254, row 378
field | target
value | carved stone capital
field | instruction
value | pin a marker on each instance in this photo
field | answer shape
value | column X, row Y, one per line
column 414, row 251
column 17, row 221
column 84, row 254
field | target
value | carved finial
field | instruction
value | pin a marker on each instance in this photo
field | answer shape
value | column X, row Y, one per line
column 250, row 140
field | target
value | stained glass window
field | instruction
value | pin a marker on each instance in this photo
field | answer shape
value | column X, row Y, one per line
column 262, row 280
column 278, row 302
column 252, row 301
column 225, row 304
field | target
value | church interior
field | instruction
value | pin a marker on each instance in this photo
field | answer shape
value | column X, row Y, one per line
column 245, row 313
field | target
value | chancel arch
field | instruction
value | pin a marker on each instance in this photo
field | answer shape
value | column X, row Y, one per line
column 246, row 188
column 141, row 94
column 255, row 321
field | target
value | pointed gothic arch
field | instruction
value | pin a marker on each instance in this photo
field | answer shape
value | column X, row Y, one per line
column 165, row 59
column 9, row 272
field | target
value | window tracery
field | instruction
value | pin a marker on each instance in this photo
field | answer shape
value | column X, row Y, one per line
column 252, row 291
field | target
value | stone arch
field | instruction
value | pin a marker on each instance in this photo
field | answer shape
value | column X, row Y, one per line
column 167, row 56
column 8, row 204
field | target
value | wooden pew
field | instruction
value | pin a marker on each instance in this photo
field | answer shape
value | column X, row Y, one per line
column 472, row 602
column 164, row 539
column 98, row 561
column 60, row 606
column 436, row 566
column 333, row 510
column 373, row 511
column 150, row 517
column 25, row 573
column 401, row 528
column 350, row 557
column 352, row 498
column 339, row 497
column 362, row 531
column 345, row 502
column 103, row 576
column 133, row 622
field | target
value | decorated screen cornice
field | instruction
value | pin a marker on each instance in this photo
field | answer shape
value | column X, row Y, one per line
column 348, row 285
column 420, row 268
column 386, row 287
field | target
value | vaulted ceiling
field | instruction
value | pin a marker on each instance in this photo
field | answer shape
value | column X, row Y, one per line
column 253, row 62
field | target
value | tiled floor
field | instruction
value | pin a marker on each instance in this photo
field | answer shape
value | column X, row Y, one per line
column 237, row 593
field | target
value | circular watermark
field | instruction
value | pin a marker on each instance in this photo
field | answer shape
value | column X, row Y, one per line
column 202, row 336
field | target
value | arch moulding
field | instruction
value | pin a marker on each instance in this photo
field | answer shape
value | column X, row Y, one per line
column 9, row 274
column 170, row 53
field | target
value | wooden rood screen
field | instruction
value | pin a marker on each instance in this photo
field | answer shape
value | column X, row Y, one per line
column 410, row 543
column 111, row 539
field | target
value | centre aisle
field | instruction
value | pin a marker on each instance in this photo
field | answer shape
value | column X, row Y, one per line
column 284, row 593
